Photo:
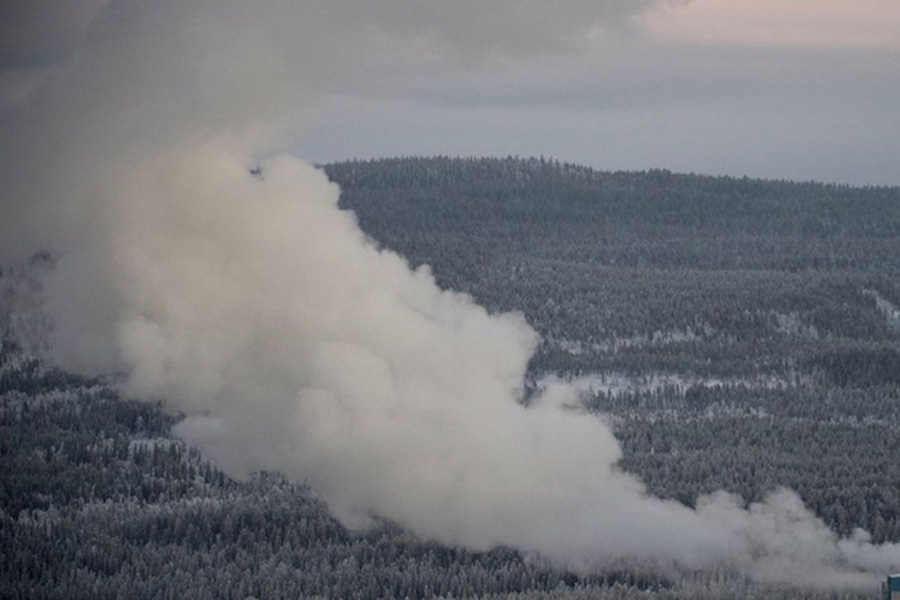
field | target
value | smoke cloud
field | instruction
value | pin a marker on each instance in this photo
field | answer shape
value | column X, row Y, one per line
column 289, row 340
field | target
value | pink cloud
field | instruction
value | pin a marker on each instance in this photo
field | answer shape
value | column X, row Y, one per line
column 824, row 23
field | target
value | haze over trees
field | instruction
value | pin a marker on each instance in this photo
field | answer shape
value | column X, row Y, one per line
column 739, row 334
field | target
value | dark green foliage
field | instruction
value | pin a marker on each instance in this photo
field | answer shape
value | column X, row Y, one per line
column 860, row 365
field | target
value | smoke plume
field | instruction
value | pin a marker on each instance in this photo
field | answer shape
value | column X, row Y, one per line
column 289, row 340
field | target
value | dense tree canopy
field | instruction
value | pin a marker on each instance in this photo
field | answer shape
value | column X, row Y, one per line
column 740, row 334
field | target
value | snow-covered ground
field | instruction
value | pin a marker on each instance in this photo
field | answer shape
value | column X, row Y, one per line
column 617, row 383
column 888, row 309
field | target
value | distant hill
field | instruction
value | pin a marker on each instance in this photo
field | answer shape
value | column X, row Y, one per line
column 646, row 218
column 602, row 258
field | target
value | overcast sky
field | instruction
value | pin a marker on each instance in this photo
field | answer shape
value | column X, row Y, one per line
column 798, row 89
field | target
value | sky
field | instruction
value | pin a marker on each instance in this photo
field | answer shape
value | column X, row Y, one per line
column 794, row 89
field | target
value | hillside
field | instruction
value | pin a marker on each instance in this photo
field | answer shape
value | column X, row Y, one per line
column 740, row 334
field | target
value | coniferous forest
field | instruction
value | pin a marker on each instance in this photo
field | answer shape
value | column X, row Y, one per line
column 740, row 334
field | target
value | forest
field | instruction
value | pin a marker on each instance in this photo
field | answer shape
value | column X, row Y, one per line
column 739, row 334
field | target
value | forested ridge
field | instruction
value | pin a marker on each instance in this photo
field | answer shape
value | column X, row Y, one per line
column 741, row 334
column 752, row 325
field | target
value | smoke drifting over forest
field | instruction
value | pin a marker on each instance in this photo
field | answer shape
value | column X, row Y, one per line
column 291, row 342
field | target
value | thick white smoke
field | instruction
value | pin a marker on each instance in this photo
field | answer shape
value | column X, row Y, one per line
column 258, row 309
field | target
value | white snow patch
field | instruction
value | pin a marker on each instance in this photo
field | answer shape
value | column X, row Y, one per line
column 888, row 309
column 616, row 383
